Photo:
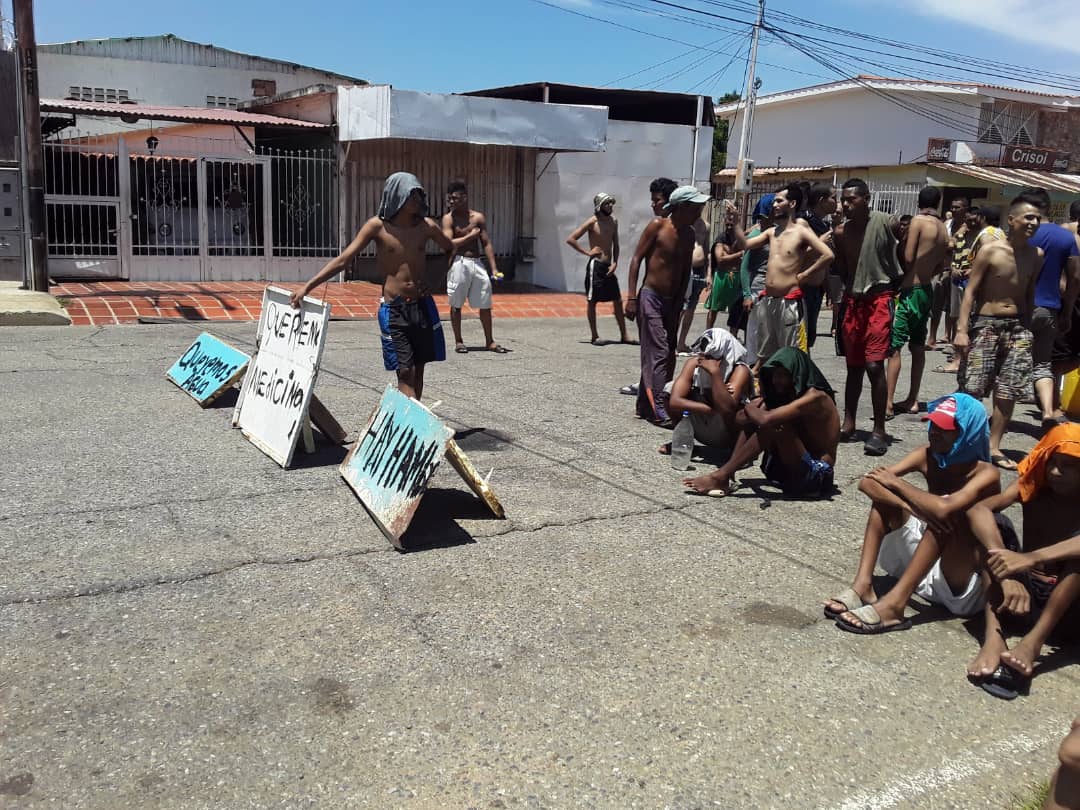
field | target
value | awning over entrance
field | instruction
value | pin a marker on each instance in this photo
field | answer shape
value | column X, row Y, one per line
column 381, row 112
column 131, row 113
column 1020, row 178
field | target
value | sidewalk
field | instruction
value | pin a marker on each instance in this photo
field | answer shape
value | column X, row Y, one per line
column 96, row 303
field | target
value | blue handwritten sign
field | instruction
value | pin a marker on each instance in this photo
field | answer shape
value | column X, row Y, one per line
column 208, row 368
column 393, row 460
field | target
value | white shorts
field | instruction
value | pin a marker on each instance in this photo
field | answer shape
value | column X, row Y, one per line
column 897, row 549
column 468, row 279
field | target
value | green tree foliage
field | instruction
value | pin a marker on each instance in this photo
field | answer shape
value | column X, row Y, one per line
column 720, row 135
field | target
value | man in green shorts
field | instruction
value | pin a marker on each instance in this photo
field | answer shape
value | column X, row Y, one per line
column 925, row 252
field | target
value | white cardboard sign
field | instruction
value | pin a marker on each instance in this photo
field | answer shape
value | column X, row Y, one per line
column 277, row 388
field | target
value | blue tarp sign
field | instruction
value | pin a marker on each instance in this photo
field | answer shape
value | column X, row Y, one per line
column 393, row 460
column 208, row 368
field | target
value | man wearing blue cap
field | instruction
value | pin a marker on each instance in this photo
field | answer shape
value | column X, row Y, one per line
column 667, row 247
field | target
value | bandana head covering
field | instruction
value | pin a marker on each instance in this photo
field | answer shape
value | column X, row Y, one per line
column 720, row 344
column 804, row 375
column 968, row 416
column 396, row 191
column 1062, row 439
column 599, row 200
column 763, row 209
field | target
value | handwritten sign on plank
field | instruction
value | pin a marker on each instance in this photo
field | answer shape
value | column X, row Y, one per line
column 277, row 388
column 393, row 460
column 208, row 368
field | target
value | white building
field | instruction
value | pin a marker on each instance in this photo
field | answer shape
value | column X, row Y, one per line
column 167, row 71
column 649, row 135
column 881, row 130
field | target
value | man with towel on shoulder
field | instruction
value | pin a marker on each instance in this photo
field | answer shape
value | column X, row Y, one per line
column 412, row 335
column 866, row 260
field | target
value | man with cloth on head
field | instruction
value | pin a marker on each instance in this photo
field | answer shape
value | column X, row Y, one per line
column 712, row 387
column 921, row 536
column 1046, row 573
column 412, row 335
column 794, row 423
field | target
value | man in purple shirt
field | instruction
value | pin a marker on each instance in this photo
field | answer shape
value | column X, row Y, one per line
column 1053, row 310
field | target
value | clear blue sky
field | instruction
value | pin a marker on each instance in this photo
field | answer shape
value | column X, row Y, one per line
column 444, row 47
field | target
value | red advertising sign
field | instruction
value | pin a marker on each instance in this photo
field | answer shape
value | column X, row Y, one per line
column 937, row 150
column 1032, row 157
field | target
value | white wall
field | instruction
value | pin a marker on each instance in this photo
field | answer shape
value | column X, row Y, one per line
column 637, row 153
column 855, row 128
column 156, row 83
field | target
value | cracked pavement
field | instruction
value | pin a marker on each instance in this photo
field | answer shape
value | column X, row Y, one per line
column 186, row 625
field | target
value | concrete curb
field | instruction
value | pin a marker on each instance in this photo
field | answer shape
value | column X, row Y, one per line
column 28, row 308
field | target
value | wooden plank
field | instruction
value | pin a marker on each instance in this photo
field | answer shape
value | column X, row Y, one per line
column 277, row 389
column 392, row 462
column 460, row 462
column 325, row 422
column 208, row 368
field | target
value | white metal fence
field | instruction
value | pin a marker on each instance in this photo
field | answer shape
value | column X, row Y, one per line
column 119, row 211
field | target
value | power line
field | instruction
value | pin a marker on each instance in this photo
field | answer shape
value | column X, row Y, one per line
column 714, row 43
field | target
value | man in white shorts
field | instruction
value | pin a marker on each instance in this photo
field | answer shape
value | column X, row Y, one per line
column 921, row 536
column 468, row 278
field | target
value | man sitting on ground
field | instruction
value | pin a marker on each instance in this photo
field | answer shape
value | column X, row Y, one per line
column 919, row 536
column 794, row 423
column 712, row 387
column 1046, row 574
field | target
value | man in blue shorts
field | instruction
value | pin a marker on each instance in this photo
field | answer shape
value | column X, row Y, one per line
column 412, row 335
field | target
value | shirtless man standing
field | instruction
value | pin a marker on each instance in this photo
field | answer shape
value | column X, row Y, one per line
column 667, row 247
column 996, row 358
column 468, row 278
column 866, row 258
column 601, row 283
column 925, row 252
column 779, row 314
column 408, row 319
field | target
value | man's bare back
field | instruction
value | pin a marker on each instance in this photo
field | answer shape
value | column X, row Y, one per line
column 1007, row 279
column 819, row 428
column 925, row 251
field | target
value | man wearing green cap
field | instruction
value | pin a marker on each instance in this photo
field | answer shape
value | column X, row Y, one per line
column 667, row 247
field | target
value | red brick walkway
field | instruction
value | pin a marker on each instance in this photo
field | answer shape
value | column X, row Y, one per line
column 95, row 303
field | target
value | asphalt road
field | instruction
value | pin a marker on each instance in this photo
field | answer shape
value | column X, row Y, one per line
column 186, row 625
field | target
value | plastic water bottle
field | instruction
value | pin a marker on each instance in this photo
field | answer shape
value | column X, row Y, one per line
column 682, row 443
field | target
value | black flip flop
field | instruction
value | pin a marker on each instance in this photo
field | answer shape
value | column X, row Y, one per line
column 875, row 446
column 1006, row 683
column 1003, row 462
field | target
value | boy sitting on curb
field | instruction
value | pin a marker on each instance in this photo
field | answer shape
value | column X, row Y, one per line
column 920, row 536
column 1046, row 574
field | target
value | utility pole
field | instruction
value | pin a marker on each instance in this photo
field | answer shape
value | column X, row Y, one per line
column 33, row 162
column 744, row 175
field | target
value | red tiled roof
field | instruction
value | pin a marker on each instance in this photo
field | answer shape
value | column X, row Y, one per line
column 192, row 115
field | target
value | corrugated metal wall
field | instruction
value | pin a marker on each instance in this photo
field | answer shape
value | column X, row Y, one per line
column 493, row 175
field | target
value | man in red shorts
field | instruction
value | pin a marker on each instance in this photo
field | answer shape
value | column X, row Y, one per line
column 866, row 260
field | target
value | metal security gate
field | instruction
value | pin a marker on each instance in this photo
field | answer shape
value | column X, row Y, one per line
column 115, row 213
